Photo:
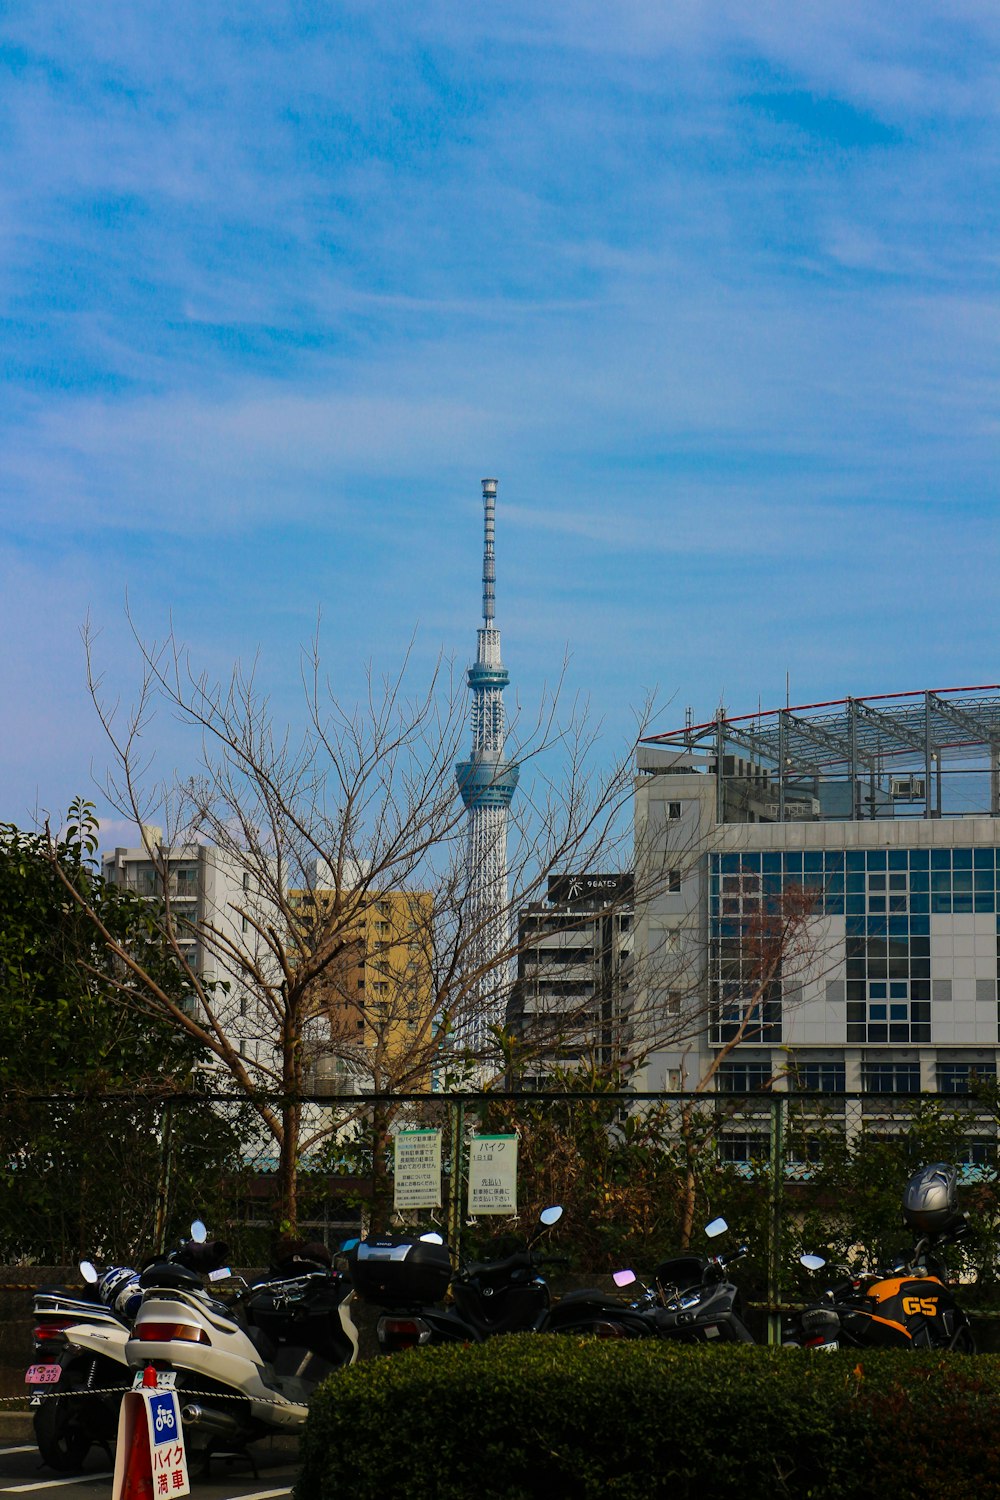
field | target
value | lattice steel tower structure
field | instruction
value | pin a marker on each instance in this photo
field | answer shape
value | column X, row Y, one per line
column 487, row 782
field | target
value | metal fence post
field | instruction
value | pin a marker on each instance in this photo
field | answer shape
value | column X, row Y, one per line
column 455, row 1203
column 162, row 1205
column 779, row 1104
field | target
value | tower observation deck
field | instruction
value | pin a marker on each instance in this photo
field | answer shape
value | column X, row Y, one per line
column 487, row 781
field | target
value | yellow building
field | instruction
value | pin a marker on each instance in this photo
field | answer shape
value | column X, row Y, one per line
column 377, row 995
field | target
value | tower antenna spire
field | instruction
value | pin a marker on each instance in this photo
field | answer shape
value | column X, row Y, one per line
column 489, row 550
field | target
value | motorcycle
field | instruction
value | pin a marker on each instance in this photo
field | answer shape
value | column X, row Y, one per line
column 907, row 1306
column 80, row 1373
column 691, row 1299
column 410, row 1278
column 246, row 1368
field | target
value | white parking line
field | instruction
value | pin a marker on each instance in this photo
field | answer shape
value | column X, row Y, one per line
column 51, row 1484
column 24, row 1448
column 263, row 1494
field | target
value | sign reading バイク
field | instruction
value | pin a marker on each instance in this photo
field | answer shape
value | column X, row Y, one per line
column 493, row 1174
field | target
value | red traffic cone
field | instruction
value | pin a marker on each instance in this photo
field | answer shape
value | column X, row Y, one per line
column 138, row 1483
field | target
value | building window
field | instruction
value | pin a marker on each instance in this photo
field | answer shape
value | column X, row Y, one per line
column 805, row 1151
column 673, row 880
column 958, row 1077
column 820, row 1077
column 744, row 1148
column 891, row 1077
column 743, row 1076
column 977, row 1153
column 673, row 1003
column 888, row 892
column 673, row 811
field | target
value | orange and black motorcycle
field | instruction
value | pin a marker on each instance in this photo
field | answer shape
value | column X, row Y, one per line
column 908, row 1307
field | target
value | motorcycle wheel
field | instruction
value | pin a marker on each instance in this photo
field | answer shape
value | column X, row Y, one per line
column 63, row 1440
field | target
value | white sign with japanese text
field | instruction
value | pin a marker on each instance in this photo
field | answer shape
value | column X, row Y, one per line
column 166, row 1444
column 493, row 1174
column 417, row 1169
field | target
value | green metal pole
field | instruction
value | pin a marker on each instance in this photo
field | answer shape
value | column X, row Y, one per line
column 779, row 1104
column 455, row 1205
column 163, row 1182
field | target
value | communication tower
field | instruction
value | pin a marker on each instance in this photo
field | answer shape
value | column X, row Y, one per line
column 487, row 782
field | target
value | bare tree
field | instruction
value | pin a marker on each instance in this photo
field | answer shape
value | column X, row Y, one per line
column 775, row 945
column 341, row 939
column 316, row 829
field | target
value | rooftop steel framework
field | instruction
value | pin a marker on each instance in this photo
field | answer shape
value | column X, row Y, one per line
column 867, row 743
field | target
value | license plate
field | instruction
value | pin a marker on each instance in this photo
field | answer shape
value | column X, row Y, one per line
column 42, row 1374
column 166, row 1380
column 828, row 1347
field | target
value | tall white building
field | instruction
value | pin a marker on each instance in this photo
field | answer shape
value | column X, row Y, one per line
column 207, row 888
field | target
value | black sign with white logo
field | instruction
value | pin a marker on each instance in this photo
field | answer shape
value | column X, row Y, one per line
column 570, row 890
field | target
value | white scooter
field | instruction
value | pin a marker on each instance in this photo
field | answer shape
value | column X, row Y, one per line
column 243, row 1369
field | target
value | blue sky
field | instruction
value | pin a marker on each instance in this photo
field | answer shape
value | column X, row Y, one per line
column 713, row 289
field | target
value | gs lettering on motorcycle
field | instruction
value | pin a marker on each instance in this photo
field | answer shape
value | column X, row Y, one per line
column 913, row 1306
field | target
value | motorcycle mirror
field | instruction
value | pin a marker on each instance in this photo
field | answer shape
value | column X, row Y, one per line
column 812, row 1262
column 198, row 1232
column 550, row 1215
column 623, row 1278
column 431, row 1238
column 88, row 1271
column 717, row 1227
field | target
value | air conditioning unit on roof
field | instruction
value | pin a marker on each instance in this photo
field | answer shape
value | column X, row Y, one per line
column 908, row 789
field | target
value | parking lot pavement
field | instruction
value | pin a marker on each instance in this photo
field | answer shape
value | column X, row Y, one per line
column 23, row 1474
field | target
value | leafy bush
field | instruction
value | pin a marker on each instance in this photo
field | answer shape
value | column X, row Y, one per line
column 574, row 1419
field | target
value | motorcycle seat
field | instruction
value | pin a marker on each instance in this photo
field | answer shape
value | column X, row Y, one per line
column 490, row 1272
column 587, row 1294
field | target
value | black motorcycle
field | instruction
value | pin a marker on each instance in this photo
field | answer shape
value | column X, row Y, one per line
column 410, row 1278
column 691, row 1299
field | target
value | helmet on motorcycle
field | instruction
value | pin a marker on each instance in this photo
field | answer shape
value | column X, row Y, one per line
column 119, row 1289
column 930, row 1201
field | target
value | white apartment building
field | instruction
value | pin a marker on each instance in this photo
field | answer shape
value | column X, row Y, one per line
column 207, row 888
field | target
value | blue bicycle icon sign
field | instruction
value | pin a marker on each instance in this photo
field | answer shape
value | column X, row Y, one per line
column 164, row 1415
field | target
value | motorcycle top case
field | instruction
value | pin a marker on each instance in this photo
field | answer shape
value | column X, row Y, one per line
column 396, row 1271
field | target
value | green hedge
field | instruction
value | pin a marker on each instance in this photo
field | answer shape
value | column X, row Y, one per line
column 569, row 1419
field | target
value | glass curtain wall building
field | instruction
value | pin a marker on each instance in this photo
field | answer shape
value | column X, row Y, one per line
column 820, row 885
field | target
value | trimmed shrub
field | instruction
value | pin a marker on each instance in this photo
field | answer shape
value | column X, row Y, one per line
column 572, row 1419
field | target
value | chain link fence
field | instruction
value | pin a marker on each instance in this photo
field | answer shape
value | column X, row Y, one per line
column 638, row 1176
